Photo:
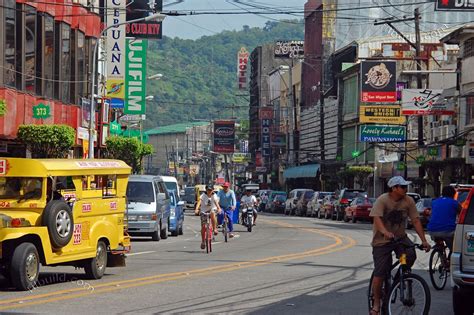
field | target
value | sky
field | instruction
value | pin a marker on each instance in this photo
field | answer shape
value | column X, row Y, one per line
column 193, row 27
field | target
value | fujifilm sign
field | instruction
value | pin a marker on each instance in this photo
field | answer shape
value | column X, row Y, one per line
column 135, row 88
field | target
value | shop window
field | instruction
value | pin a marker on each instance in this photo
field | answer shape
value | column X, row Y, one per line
column 19, row 47
column 48, row 56
column 81, row 69
column 57, row 58
column 73, row 74
column 39, row 55
column 468, row 48
column 351, row 95
column 10, row 43
column 470, row 110
column 65, row 75
column 29, row 70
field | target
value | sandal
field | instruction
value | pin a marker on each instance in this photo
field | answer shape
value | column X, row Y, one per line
column 203, row 245
column 373, row 311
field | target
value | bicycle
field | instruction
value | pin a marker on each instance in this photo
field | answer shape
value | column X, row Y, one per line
column 225, row 226
column 402, row 291
column 208, row 236
column 439, row 265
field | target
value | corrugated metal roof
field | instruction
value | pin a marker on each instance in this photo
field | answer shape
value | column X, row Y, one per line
column 176, row 128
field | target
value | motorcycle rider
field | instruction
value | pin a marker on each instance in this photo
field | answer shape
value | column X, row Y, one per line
column 249, row 199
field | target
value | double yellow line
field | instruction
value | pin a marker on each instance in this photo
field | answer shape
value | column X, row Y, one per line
column 341, row 243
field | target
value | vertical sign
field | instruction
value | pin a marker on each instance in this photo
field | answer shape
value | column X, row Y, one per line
column 116, row 49
column 242, row 61
column 224, row 136
column 378, row 82
column 135, row 88
column 266, row 117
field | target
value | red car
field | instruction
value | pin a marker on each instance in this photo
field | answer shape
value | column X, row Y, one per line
column 359, row 209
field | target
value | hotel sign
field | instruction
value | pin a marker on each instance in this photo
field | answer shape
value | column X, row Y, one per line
column 387, row 114
column 242, row 61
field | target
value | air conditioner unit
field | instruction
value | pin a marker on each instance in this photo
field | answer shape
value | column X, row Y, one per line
column 434, row 124
column 435, row 134
column 448, row 131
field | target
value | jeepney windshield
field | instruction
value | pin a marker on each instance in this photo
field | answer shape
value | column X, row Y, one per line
column 21, row 188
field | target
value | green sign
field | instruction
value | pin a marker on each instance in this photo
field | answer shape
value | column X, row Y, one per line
column 420, row 159
column 400, row 166
column 41, row 111
column 115, row 128
column 433, row 151
column 135, row 76
column 355, row 153
column 3, row 107
column 376, row 133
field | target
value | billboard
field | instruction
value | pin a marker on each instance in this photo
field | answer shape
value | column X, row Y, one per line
column 425, row 102
column 242, row 61
column 138, row 9
column 135, row 87
column 454, row 5
column 115, row 84
column 382, row 114
column 289, row 49
column 224, row 136
column 377, row 133
column 378, row 81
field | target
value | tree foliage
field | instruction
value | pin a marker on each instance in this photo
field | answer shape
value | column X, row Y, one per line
column 47, row 141
column 129, row 150
column 200, row 76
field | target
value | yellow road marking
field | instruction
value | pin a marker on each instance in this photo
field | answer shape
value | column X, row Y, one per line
column 137, row 282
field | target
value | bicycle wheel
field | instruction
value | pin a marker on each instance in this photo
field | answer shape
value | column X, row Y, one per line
column 438, row 272
column 415, row 299
column 224, row 228
column 208, row 239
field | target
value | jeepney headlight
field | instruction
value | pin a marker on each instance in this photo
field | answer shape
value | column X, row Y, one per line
column 146, row 217
column 172, row 212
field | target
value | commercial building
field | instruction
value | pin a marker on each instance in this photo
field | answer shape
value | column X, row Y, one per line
column 45, row 58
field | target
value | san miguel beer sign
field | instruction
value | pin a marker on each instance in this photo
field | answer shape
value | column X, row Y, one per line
column 454, row 5
column 224, row 136
column 378, row 82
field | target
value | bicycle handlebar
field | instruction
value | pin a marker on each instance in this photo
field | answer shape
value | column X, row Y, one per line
column 398, row 241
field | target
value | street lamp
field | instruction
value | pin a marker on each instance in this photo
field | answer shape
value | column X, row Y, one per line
column 154, row 17
column 157, row 76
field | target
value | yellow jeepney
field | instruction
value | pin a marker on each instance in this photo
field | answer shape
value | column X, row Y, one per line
column 200, row 189
column 61, row 212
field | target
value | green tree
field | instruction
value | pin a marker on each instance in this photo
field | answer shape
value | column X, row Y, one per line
column 129, row 150
column 47, row 141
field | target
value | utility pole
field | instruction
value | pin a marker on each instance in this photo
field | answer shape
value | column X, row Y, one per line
column 321, row 116
column 292, row 117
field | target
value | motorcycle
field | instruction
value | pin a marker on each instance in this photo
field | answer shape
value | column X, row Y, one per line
column 247, row 217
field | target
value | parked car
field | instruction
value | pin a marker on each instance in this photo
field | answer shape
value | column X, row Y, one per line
column 148, row 204
column 176, row 222
column 302, row 203
column 462, row 191
column 327, row 209
column 293, row 196
column 359, row 209
column 189, row 198
column 344, row 198
column 171, row 183
column 423, row 206
column 271, row 197
column 278, row 204
column 315, row 204
column 462, row 258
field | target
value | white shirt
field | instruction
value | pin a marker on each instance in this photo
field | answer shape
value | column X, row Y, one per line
column 208, row 203
column 250, row 200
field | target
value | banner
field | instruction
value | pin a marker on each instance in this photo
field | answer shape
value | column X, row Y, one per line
column 242, row 61
column 387, row 114
column 224, row 136
column 135, row 89
column 115, row 84
column 454, row 5
column 375, row 133
column 425, row 102
column 378, row 81
column 138, row 9
column 289, row 49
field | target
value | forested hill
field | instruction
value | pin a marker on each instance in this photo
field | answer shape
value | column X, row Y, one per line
column 200, row 76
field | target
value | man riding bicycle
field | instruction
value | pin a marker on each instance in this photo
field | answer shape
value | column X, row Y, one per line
column 443, row 217
column 227, row 202
column 207, row 203
column 249, row 199
column 390, row 212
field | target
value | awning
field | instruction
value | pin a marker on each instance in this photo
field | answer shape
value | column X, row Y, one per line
column 309, row 170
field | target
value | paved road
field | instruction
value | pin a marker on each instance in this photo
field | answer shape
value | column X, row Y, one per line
column 287, row 265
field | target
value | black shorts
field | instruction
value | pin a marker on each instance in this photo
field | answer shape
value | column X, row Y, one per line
column 383, row 256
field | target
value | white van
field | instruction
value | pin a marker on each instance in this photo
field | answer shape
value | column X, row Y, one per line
column 171, row 184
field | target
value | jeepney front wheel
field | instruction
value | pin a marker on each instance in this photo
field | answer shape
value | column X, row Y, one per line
column 57, row 216
column 95, row 267
column 24, row 267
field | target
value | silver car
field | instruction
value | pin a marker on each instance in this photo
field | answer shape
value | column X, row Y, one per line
column 148, row 206
column 462, row 259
